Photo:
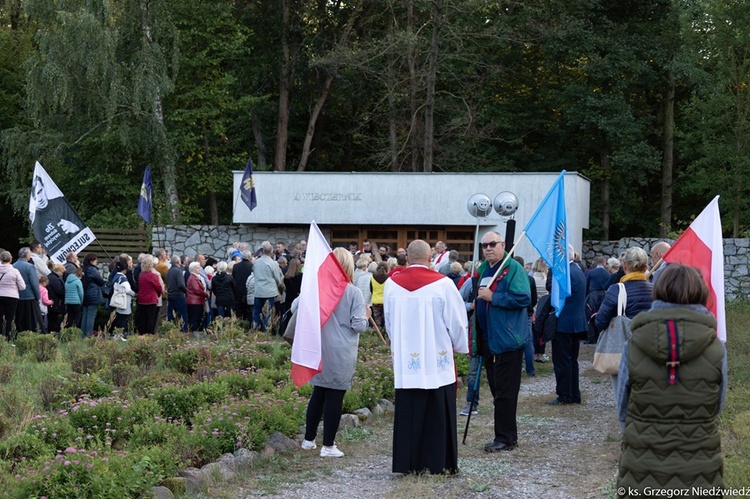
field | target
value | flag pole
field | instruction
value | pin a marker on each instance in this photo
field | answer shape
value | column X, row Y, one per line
column 510, row 253
column 372, row 321
column 654, row 268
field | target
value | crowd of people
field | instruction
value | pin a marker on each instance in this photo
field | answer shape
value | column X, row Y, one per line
column 431, row 304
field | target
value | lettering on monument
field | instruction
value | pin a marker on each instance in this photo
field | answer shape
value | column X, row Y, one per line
column 328, row 196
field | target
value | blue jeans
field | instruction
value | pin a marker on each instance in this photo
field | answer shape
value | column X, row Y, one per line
column 471, row 379
column 177, row 307
column 258, row 311
column 224, row 310
column 88, row 315
column 529, row 352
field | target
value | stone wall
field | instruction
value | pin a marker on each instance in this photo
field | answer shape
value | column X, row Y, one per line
column 215, row 240
column 736, row 260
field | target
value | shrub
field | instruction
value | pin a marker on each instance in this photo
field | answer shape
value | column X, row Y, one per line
column 6, row 373
column 53, row 392
column 23, row 446
column 94, row 473
column 144, row 385
column 41, row 346
column 86, row 361
column 68, row 334
column 158, row 431
column 53, row 430
column 121, row 374
column 141, row 351
column 182, row 402
column 90, row 385
column 13, row 405
column 25, row 342
column 110, row 420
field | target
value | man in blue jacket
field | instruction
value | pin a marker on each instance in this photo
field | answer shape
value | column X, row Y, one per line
column 28, row 315
column 503, row 323
column 571, row 324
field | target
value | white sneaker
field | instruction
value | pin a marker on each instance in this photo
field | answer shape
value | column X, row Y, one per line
column 309, row 445
column 331, row 451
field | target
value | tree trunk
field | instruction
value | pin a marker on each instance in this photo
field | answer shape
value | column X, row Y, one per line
column 259, row 145
column 429, row 116
column 392, row 130
column 285, row 84
column 313, row 120
column 413, row 86
column 667, row 167
column 169, row 174
column 325, row 92
column 213, row 209
column 606, row 166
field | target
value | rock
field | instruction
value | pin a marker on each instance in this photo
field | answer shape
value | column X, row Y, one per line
column 245, row 458
column 378, row 410
column 161, row 493
column 267, row 451
column 175, row 484
column 219, row 471
column 280, row 442
column 195, row 480
column 387, row 405
column 349, row 421
column 364, row 413
column 228, row 461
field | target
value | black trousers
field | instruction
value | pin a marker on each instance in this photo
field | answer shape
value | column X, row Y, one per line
column 147, row 318
column 504, row 377
column 195, row 317
column 54, row 321
column 27, row 315
column 74, row 315
column 328, row 404
column 565, row 348
column 8, row 314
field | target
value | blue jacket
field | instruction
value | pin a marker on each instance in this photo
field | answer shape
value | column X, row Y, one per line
column 572, row 319
column 639, row 299
column 596, row 279
column 504, row 321
column 73, row 290
column 92, row 293
column 28, row 273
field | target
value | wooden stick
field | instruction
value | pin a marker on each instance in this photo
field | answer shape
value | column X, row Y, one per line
column 510, row 253
column 378, row 330
column 654, row 268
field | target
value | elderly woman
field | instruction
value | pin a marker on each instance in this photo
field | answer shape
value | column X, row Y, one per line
column 340, row 340
column 121, row 285
column 222, row 286
column 11, row 283
column 672, row 386
column 149, row 295
column 197, row 294
column 638, row 289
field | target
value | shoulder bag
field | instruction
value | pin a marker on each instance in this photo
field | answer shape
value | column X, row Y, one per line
column 608, row 351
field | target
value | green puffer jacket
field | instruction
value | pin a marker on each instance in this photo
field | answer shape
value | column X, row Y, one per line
column 671, row 438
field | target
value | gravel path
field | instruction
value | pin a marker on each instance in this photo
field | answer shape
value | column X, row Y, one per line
column 563, row 452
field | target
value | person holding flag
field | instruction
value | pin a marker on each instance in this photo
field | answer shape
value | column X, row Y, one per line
column 502, row 319
column 330, row 314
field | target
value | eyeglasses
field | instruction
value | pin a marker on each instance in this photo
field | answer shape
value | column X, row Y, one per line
column 491, row 244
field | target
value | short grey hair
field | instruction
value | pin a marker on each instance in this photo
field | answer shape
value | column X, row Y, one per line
column 193, row 266
column 266, row 247
column 24, row 252
column 175, row 261
column 636, row 259
column 247, row 255
column 221, row 266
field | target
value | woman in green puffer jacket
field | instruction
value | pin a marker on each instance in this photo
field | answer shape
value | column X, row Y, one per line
column 672, row 386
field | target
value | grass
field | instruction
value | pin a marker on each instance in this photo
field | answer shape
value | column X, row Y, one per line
column 734, row 421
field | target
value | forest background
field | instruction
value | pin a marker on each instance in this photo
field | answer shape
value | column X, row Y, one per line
column 648, row 99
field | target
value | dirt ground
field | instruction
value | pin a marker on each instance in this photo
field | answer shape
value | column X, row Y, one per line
column 563, row 452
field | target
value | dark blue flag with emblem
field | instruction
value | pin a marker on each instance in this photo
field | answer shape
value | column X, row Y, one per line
column 144, row 200
column 247, row 187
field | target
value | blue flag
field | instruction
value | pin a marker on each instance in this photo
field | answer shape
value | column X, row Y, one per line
column 247, row 187
column 547, row 231
column 144, row 200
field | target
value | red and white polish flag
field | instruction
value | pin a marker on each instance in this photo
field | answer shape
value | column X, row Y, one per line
column 323, row 285
column 702, row 246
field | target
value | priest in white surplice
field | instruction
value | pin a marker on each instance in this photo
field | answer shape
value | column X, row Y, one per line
column 425, row 317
